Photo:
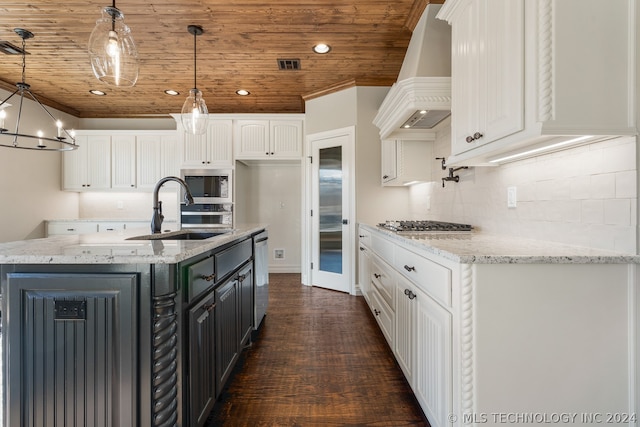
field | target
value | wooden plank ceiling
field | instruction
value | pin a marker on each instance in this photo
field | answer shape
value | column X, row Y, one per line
column 239, row 49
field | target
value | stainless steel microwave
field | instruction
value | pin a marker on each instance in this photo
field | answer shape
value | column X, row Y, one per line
column 210, row 186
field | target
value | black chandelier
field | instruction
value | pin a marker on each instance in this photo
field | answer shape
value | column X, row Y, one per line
column 62, row 141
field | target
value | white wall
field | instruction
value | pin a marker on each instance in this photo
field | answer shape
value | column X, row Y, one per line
column 270, row 193
column 584, row 196
column 30, row 181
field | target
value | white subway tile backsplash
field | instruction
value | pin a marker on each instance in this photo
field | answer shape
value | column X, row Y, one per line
column 592, row 211
column 617, row 212
column 585, row 196
column 626, row 185
column 603, row 186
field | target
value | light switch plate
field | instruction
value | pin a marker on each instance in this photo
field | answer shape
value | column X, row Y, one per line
column 512, row 199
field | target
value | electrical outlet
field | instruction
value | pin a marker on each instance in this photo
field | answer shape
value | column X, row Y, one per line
column 120, row 204
column 512, row 198
column 278, row 253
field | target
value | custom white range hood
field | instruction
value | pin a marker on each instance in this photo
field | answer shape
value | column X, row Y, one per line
column 421, row 98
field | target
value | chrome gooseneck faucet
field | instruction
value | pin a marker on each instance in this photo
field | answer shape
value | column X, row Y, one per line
column 156, row 220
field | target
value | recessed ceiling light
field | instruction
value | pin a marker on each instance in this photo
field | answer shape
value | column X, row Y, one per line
column 172, row 92
column 97, row 92
column 243, row 92
column 321, row 48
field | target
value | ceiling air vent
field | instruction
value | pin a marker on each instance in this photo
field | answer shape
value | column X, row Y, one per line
column 10, row 49
column 288, row 64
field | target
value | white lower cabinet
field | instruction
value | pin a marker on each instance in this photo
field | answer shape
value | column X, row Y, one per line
column 432, row 376
column 413, row 295
column 490, row 343
column 423, row 349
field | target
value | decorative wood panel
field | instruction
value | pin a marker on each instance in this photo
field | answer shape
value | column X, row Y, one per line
column 240, row 47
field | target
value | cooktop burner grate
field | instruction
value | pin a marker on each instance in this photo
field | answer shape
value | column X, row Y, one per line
column 424, row 226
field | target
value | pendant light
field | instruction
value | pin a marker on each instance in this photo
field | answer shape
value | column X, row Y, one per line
column 113, row 53
column 63, row 140
column 194, row 110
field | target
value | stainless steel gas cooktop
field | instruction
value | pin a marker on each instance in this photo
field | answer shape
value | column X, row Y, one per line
column 425, row 227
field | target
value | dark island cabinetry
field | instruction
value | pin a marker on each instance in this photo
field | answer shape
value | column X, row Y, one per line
column 71, row 339
column 116, row 344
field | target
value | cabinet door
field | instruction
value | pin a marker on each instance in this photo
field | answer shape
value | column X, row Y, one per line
column 201, row 348
column 465, row 79
column 405, row 326
column 220, row 143
column 227, row 331
column 74, row 165
column 194, row 150
column 123, row 162
column 252, row 139
column 389, row 160
column 98, row 162
column 286, row 139
column 245, row 281
column 487, row 73
column 73, row 353
column 364, row 271
column 149, row 160
column 433, row 375
column 502, row 108
column 170, row 155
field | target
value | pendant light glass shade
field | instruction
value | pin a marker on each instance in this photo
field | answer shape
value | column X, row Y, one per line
column 195, row 115
column 113, row 53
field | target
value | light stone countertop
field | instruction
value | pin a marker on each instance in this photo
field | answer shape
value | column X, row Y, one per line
column 483, row 248
column 114, row 248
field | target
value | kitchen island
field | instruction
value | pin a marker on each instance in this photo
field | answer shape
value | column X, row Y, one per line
column 102, row 330
column 493, row 330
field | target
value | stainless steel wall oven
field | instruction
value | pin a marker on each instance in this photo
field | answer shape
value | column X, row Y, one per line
column 212, row 191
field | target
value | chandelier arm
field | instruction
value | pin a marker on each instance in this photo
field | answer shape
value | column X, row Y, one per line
column 15, row 139
column 9, row 97
column 50, row 115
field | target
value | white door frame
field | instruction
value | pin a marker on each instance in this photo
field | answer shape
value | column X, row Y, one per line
column 349, row 149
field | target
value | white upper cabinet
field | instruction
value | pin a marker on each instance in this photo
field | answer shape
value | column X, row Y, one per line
column 120, row 160
column 89, row 166
column 157, row 156
column 532, row 73
column 123, row 162
column 211, row 150
column 286, row 138
column 268, row 139
column 405, row 162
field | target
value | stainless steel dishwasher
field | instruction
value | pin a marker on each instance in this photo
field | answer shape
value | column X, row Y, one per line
column 261, row 282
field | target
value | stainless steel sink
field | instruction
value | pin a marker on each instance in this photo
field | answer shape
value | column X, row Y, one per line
column 182, row 235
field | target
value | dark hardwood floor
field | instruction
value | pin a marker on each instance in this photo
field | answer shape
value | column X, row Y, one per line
column 319, row 360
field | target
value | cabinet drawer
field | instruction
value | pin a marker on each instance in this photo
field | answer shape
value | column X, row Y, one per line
column 229, row 259
column 383, row 278
column 110, row 227
column 364, row 236
column 383, row 315
column 200, row 278
column 382, row 247
column 432, row 278
column 71, row 228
